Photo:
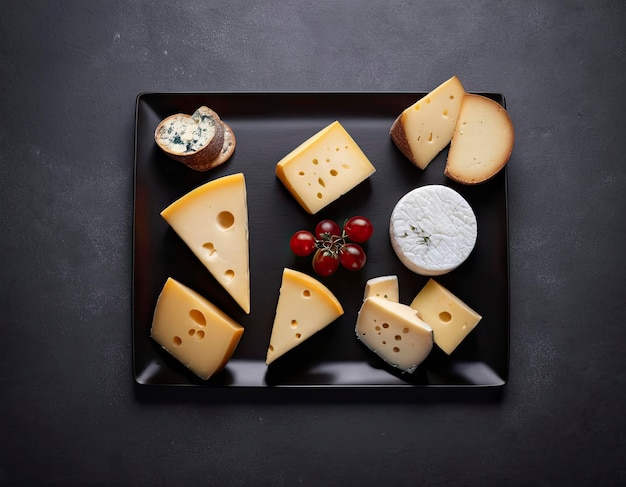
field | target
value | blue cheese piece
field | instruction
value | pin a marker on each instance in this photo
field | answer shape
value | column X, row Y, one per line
column 184, row 134
column 201, row 140
column 433, row 230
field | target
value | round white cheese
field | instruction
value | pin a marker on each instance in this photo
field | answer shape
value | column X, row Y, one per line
column 433, row 230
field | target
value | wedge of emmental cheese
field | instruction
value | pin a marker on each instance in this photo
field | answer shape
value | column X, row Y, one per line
column 213, row 221
column 323, row 168
column 193, row 330
column 305, row 306
column 394, row 332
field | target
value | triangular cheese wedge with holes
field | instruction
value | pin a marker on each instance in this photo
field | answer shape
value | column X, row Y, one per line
column 305, row 306
column 213, row 221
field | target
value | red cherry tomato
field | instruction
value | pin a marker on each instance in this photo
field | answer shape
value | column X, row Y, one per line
column 352, row 257
column 325, row 263
column 302, row 243
column 327, row 228
column 359, row 229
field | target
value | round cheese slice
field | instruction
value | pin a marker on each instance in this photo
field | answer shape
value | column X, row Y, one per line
column 433, row 230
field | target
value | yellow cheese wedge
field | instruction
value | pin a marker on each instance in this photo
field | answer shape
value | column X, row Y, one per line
column 482, row 142
column 425, row 128
column 305, row 306
column 449, row 317
column 213, row 221
column 323, row 168
column 382, row 287
column 394, row 332
column 193, row 330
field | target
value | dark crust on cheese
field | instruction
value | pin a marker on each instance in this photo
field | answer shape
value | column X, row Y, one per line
column 203, row 159
column 398, row 135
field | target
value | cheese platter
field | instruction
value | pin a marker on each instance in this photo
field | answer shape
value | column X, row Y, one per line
column 268, row 126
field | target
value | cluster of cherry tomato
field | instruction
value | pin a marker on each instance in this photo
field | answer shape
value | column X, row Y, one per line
column 334, row 245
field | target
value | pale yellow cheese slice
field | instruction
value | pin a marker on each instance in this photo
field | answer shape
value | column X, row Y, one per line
column 425, row 128
column 305, row 306
column 323, row 168
column 213, row 221
column 482, row 142
column 394, row 332
column 193, row 330
column 449, row 317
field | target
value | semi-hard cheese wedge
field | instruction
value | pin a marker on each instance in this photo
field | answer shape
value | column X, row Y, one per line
column 433, row 230
column 449, row 317
column 394, row 332
column 193, row 330
column 213, row 221
column 305, row 306
column 482, row 142
column 323, row 168
column 382, row 287
column 425, row 128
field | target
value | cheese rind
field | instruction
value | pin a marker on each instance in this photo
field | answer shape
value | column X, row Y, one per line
column 425, row 128
column 433, row 230
column 213, row 221
column 482, row 142
column 323, row 168
column 449, row 317
column 193, row 330
column 385, row 287
column 305, row 306
column 394, row 332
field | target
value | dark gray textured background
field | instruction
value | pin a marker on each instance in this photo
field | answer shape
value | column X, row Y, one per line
column 69, row 75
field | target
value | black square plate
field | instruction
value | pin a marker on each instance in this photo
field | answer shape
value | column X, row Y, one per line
column 268, row 126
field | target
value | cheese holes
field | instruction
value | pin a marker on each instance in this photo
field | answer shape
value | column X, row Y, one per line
column 229, row 275
column 396, row 349
column 199, row 335
column 225, row 220
column 445, row 316
column 319, row 196
column 397, row 338
column 177, row 341
column 198, row 317
column 306, row 293
column 294, row 323
column 298, row 336
column 321, row 182
column 333, row 172
column 315, row 162
column 210, row 248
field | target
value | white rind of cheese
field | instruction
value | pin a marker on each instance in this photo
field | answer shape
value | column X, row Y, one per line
column 305, row 306
column 449, row 317
column 213, row 221
column 193, row 330
column 394, row 332
column 433, row 230
column 425, row 128
column 323, row 168
column 382, row 287
column 482, row 142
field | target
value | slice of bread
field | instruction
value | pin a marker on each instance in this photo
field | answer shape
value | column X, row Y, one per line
column 482, row 141
column 201, row 141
